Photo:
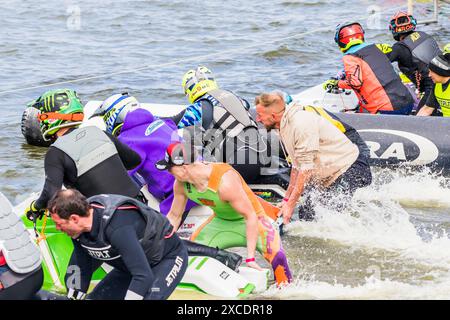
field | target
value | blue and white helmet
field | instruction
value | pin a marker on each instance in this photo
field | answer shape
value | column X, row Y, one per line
column 114, row 110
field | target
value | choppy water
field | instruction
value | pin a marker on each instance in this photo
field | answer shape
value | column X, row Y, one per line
column 392, row 244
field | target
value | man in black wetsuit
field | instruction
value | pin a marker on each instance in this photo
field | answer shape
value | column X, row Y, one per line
column 87, row 158
column 413, row 51
column 148, row 258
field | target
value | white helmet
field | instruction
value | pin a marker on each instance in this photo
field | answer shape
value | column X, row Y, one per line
column 114, row 110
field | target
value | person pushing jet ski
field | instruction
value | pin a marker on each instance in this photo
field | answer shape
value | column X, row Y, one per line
column 327, row 156
column 149, row 136
column 85, row 158
column 239, row 219
column 221, row 123
column 148, row 258
column 439, row 99
column 369, row 73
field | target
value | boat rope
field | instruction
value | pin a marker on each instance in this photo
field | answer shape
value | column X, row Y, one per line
column 177, row 62
column 40, row 236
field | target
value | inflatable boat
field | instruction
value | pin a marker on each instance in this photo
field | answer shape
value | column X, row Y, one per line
column 393, row 140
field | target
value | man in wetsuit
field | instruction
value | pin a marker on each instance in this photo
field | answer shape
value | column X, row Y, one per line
column 369, row 73
column 413, row 51
column 439, row 99
column 148, row 258
column 239, row 217
column 328, row 157
column 149, row 136
column 86, row 158
column 222, row 126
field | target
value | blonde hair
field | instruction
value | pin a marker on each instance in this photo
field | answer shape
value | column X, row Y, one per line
column 268, row 99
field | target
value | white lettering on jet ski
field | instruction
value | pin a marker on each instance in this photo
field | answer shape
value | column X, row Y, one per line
column 428, row 152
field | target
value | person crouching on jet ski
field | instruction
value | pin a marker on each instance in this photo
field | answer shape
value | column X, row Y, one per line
column 369, row 73
column 148, row 257
column 239, row 217
column 324, row 159
column 149, row 137
column 440, row 95
column 222, row 125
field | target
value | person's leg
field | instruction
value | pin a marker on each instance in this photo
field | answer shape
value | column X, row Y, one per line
column 272, row 250
column 20, row 286
column 230, row 259
column 168, row 274
column 306, row 210
column 113, row 286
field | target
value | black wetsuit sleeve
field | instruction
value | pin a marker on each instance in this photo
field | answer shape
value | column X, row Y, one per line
column 129, row 157
column 80, row 269
column 432, row 101
column 402, row 55
column 125, row 240
column 54, row 164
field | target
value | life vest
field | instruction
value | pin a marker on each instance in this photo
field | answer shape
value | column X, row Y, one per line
column 87, row 147
column 443, row 97
column 211, row 197
column 230, row 115
column 157, row 228
column 342, row 126
column 20, row 252
column 423, row 49
column 382, row 88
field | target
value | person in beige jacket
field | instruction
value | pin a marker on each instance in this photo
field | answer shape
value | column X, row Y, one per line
column 323, row 158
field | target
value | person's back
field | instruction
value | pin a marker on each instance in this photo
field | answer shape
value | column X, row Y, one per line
column 372, row 77
column 149, row 137
column 413, row 51
column 315, row 142
column 228, row 132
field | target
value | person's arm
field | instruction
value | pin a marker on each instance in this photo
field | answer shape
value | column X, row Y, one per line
column 306, row 136
column 178, row 204
column 425, row 111
column 232, row 191
column 192, row 116
column 429, row 106
column 126, row 241
column 129, row 157
column 292, row 180
column 79, row 272
column 303, row 178
column 54, row 176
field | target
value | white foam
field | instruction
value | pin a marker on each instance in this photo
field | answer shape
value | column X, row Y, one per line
column 376, row 220
column 373, row 288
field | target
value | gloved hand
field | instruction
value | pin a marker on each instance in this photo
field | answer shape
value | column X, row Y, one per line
column 330, row 85
column 32, row 213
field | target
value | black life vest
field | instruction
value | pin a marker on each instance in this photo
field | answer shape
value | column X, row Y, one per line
column 157, row 228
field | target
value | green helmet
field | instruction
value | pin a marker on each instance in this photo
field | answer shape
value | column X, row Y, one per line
column 54, row 102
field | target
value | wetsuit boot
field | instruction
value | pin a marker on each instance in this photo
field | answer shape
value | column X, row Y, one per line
column 230, row 259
